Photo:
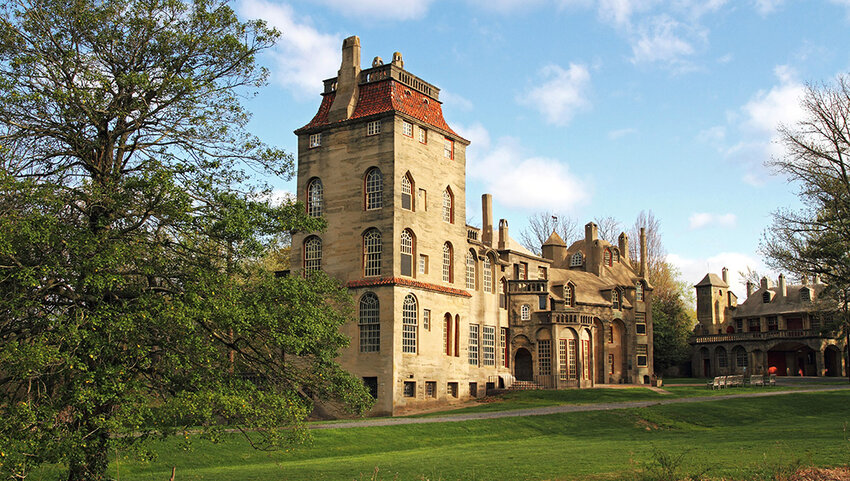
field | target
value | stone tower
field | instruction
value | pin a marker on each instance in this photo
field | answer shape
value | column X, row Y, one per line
column 713, row 297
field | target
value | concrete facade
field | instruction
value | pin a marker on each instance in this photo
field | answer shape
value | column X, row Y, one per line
column 447, row 310
column 776, row 330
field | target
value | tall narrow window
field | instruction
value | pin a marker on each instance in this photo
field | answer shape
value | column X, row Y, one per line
column 572, row 357
column 314, row 198
column 506, row 349
column 473, row 345
column 374, row 189
column 488, row 345
column 406, row 192
column 448, row 206
column 569, row 296
column 585, row 358
column 448, row 148
column 615, row 299
column 370, row 327
column 641, row 351
column 406, row 253
column 503, row 296
column 616, row 254
column 409, row 323
column 312, row 254
column 372, row 253
column 447, row 334
column 488, row 275
column 562, row 359
column 470, row 270
column 525, row 312
column 639, row 291
column 447, row 263
column 423, row 135
column 544, row 357
column 607, row 257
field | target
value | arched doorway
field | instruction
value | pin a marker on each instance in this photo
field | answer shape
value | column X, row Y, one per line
column 522, row 365
column 831, row 361
column 705, row 360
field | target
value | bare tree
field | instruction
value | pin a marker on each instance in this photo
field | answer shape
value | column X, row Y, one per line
column 609, row 228
column 542, row 224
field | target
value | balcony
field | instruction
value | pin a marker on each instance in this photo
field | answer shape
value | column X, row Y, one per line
column 575, row 318
column 756, row 336
column 472, row 233
column 528, row 287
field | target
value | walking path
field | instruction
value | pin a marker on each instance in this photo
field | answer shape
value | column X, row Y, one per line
column 564, row 408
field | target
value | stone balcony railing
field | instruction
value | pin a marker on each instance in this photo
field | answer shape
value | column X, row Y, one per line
column 540, row 286
column 558, row 317
column 382, row 72
column 472, row 233
column 755, row 336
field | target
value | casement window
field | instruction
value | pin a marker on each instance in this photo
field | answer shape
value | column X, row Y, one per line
column 639, row 291
column 805, row 294
column 406, row 192
column 523, row 271
column 610, row 364
column 431, row 389
column 315, row 140
column 374, row 189
column 423, row 264
column 741, row 357
column 722, row 357
column 585, row 358
column 448, row 269
column 372, row 253
column 473, row 389
column 503, row 296
column 544, row 357
column 406, row 251
column 562, row 359
column 409, row 325
column 541, row 273
column 640, row 323
column 541, row 302
column 373, row 127
column 739, row 325
column 315, row 193
column 641, row 350
column 409, row 389
column 370, row 327
column 423, row 135
column 754, row 325
column 312, row 254
column 504, row 349
column 448, row 206
column 470, row 270
column 426, row 319
column 572, row 357
column 607, row 257
column 406, row 128
column 447, row 334
column 576, row 260
column 488, row 345
column 765, row 298
column 615, row 299
column 525, row 312
column 772, row 323
column 488, row 275
column 616, row 254
column 569, row 295
column 473, row 344
column 448, row 148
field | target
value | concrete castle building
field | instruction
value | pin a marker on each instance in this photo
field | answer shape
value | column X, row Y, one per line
column 446, row 310
column 777, row 329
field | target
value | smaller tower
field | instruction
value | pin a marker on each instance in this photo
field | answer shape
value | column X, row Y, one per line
column 711, row 302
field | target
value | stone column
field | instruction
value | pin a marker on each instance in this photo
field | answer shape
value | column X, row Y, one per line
column 820, row 365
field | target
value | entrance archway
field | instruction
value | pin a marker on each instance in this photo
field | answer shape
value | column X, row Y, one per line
column 832, row 361
column 522, row 365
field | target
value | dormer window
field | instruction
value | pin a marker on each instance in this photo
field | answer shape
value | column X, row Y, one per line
column 569, row 295
column 805, row 294
column 315, row 140
column 765, row 297
column 616, row 254
column 607, row 257
column 615, row 299
column 576, row 260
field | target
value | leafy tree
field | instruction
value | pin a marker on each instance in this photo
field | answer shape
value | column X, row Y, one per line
column 131, row 301
column 815, row 240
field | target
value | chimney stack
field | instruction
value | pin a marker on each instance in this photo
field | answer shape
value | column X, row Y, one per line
column 504, row 239
column 624, row 247
column 487, row 219
column 783, row 289
column 750, row 288
column 765, row 283
column 643, row 269
column 347, row 81
column 591, row 233
column 725, row 275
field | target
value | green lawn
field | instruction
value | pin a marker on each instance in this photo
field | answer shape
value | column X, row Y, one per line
column 738, row 438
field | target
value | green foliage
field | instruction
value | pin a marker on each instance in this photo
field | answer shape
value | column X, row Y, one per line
column 131, row 301
column 672, row 323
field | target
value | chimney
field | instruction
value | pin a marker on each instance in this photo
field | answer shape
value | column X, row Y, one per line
column 805, row 280
column 783, row 289
column 643, row 270
column 347, row 81
column 725, row 274
column 504, row 239
column 397, row 61
column 815, row 279
column 624, row 247
column 765, row 284
column 487, row 219
column 750, row 288
column 591, row 233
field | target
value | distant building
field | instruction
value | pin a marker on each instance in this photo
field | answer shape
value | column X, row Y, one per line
column 446, row 310
column 777, row 329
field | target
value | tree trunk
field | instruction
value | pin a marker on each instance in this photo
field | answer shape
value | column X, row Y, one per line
column 91, row 461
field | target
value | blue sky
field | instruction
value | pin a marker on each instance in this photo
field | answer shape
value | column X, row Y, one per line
column 589, row 108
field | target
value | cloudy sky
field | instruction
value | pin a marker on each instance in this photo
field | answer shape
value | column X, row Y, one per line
column 591, row 108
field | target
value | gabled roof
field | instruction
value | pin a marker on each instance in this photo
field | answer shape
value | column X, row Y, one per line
column 712, row 280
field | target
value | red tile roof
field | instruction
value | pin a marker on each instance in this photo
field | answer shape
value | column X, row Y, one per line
column 400, row 281
column 387, row 96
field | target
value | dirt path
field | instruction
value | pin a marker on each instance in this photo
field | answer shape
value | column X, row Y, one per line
column 565, row 408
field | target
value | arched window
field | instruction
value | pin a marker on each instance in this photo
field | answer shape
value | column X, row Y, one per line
column 607, row 257
column 406, row 252
column 312, row 254
column 569, row 295
column 372, row 253
column 722, row 357
column 470, row 270
column 488, row 275
column 525, row 312
column 448, row 268
column 616, row 253
column 639, row 291
column 409, row 317
column 576, row 260
column 448, row 206
column 741, row 359
column 615, row 299
column 503, row 297
column 407, row 192
column 314, row 198
column 447, row 334
column 374, row 189
column 370, row 327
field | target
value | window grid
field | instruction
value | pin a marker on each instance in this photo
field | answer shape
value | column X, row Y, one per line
column 312, row 254
column 576, row 260
column 426, row 319
column 640, row 323
column 473, row 344
column 447, row 326
column 372, row 253
column 470, row 270
column 370, row 327
column 448, row 148
column 406, row 252
column 562, row 359
column 772, row 323
column 616, row 254
column 573, row 347
column 409, row 389
column 423, row 135
column 448, row 206
column 373, row 127
column 488, row 275
column 585, row 358
column 544, row 357
column 447, row 262
column 503, row 297
column 315, row 140
column 568, row 295
column 430, row 388
column 741, row 358
column 639, row 291
column 607, row 258
column 615, row 299
column 409, row 321
column 489, row 345
column 503, row 355
column 641, row 350
column 609, row 333
column 722, row 358
column 610, row 364
column 406, row 128
column 406, row 193
column 374, row 189
column 423, row 264
column 525, row 312
column 314, row 198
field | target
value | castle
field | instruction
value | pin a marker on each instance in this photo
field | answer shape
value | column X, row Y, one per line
column 776, row 330
column 445, row 310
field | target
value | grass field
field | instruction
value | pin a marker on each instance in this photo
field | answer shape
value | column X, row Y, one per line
column 735, row 438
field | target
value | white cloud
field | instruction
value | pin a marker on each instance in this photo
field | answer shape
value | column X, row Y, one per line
column 380, row 9
column 304, row 56
column 560, row 93
column 698, row 220
column 765, row 7
column 693, row 270
column 662, row 41
column 521, row 180
column 616, row 134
